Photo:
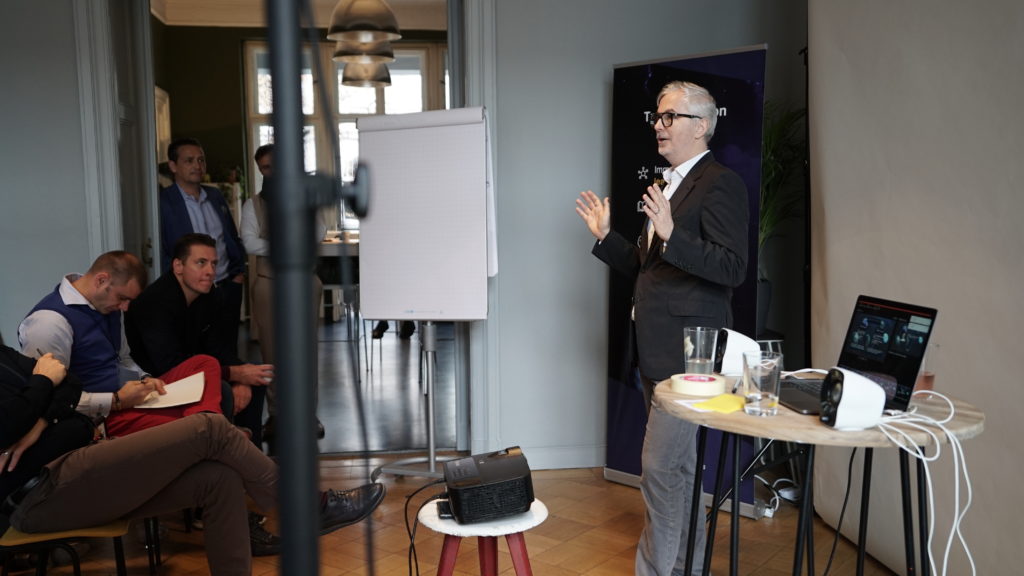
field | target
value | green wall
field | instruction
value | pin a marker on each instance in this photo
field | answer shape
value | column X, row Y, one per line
column 201, row 70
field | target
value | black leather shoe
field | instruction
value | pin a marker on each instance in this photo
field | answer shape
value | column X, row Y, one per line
column 13, row 500
column 263, row 543
column 340, row 508
column 379, row 330
column 405, row 332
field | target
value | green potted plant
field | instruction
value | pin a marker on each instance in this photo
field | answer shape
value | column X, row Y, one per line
column 783, row 153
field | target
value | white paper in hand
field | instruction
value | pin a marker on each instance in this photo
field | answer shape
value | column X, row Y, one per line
column 184, row 391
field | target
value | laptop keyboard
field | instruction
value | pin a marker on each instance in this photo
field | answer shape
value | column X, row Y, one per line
column 809, row 385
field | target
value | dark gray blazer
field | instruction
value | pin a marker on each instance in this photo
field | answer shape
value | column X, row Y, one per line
column 689, row 282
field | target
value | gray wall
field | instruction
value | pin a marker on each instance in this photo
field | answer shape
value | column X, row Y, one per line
column 43, row 233
column 917, row 136
column 551, row 69
column 552, row 128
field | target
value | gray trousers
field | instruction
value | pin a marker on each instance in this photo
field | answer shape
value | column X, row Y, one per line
column 669, row 462
column 199, row 460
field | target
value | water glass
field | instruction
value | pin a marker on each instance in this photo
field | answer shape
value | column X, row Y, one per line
column 699, row 346
column 761, row 371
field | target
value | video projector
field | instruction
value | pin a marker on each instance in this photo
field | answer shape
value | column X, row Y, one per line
column 490, row 486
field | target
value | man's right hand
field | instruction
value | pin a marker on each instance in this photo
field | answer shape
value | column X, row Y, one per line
column 135, row 392
column 47, row 365
column 242, row 395
column 596, row 213
column 252, row 374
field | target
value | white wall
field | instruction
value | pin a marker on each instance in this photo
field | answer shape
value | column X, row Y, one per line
column 43, row 230
column 917, row 134
column 551, row 113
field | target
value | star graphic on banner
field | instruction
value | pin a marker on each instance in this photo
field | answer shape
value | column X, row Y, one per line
column 641, row 174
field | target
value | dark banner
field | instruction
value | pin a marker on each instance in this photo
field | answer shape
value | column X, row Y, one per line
column 736, row 80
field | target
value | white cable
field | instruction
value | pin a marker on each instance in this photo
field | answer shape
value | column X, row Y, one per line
column 893, row 428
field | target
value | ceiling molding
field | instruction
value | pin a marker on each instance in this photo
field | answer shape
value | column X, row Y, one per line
column 411, row 14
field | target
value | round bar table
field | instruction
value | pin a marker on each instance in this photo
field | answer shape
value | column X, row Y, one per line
column 808, row 431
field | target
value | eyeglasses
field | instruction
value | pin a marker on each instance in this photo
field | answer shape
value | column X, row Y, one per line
column 666, row 117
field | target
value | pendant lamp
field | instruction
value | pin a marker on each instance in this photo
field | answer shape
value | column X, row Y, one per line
column 366, row 75
column 366, row 21
column 363, row 52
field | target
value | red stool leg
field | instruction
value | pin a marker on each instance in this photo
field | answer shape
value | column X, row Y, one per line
column 517, row 548
column 449, row 552
column 488, row 549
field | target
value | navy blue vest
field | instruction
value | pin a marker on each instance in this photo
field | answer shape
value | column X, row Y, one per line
column 96, row 345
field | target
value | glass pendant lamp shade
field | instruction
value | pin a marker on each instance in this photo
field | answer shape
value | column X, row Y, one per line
column 366, row 75
column 363, row 52
column 366, row 21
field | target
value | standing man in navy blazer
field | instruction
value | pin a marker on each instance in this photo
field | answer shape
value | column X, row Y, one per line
column 691, row 253
column 188, row 207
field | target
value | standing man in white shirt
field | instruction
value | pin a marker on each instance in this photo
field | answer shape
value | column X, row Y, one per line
column 256, row 237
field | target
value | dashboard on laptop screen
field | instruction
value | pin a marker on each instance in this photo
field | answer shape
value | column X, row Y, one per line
column 886, row 342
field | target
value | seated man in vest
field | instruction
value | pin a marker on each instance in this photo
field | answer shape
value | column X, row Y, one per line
column 81, row 324
column 177, row 317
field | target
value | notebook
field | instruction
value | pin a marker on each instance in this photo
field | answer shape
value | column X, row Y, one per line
column 885, row 342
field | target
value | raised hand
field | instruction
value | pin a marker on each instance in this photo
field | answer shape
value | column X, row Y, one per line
column 596, row 213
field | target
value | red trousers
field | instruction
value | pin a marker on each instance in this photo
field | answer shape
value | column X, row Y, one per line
column 125, row 422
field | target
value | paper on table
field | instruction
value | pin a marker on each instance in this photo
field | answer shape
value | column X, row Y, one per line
column 184, row 391
column 723, row 403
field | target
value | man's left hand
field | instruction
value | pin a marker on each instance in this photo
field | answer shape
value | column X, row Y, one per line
column 252, row 374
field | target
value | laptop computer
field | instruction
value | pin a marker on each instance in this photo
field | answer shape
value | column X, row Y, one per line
column 885, row 342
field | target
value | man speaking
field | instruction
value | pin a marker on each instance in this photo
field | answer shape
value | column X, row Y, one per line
column 691, row 253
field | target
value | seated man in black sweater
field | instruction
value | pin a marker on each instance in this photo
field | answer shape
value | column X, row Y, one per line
column 178, row 316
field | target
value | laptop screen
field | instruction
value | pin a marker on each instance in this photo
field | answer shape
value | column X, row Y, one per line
column 886, row 342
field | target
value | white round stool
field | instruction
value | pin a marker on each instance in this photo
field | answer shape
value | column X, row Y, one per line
column 487, row 533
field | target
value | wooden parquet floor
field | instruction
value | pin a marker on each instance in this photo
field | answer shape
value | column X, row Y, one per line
column 592, row 530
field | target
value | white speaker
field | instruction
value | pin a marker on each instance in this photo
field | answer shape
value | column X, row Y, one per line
column 850, row 401
column 729, row 353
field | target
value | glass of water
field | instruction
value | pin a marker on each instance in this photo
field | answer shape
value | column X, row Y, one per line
column 699, row 347
column 761, row 371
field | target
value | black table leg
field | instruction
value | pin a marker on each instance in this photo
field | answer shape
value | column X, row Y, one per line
column 698, row 496
column 865, row 500
column 922, row 516
column 734, row 530
column 908, row 515
column 715, row 504
column 804, row 531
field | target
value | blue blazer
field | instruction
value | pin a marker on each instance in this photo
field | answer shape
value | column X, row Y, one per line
column 175, row 223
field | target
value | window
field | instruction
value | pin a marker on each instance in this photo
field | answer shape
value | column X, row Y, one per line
column 419, row 81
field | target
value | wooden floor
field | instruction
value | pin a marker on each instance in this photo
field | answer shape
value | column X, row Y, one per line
column 592, row 530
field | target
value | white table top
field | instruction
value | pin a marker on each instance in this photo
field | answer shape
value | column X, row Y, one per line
column 537, row 513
